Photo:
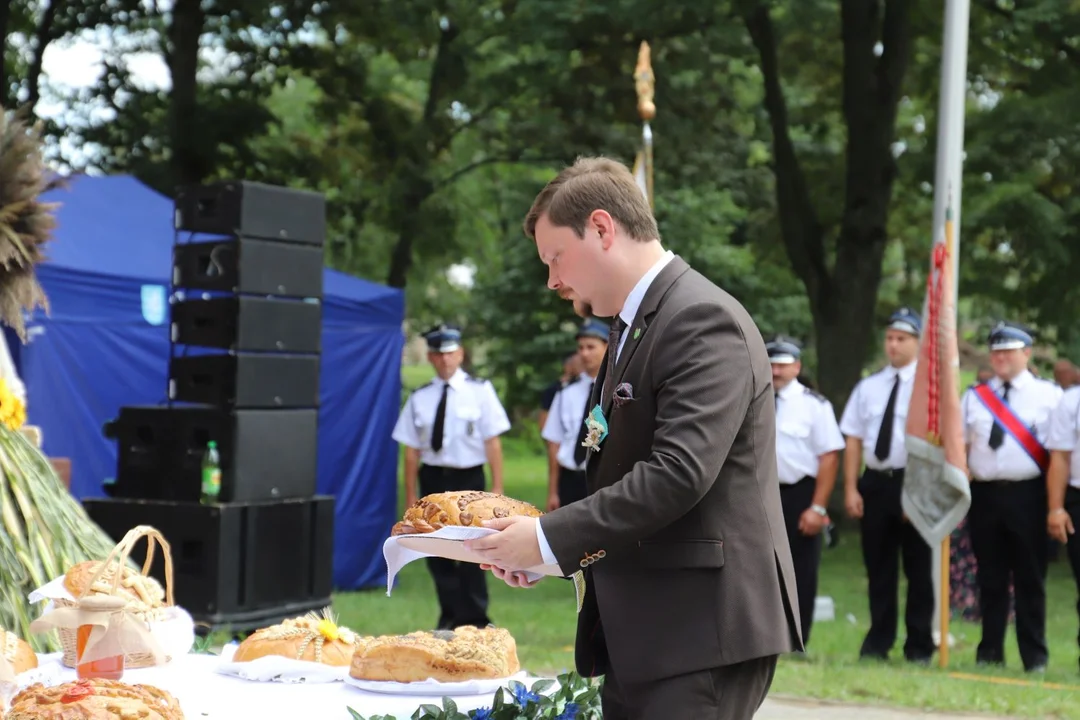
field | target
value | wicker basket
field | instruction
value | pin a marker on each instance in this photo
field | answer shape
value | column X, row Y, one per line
column 118, row 558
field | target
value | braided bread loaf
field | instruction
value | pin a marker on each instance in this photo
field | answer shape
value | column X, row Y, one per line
column 466, row 653
column 94, row 700
column 144, row 594
column 461, row 508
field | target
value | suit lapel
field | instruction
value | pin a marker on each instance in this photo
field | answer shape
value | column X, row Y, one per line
column 636, row 331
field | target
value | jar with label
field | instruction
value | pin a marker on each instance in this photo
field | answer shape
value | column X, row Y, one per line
column 107, row 660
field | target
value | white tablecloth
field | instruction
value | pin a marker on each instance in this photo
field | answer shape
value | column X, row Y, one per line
column 205, row 693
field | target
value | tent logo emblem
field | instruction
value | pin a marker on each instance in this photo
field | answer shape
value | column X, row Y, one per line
column 153, row 304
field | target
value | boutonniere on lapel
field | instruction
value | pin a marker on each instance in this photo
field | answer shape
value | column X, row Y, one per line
column 623, row 393
column 637, row 333
column 596, row 429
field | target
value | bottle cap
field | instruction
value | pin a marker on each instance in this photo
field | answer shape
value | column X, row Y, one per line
column 211, row 444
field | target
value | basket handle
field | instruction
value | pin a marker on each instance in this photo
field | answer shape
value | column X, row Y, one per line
column 123, row 549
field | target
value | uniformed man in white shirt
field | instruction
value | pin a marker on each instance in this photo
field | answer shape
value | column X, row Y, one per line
column 565, row 430
column 449, row 428
column 1063, row 478
column 1006, row 427
column 874, row 424
column 808, row 443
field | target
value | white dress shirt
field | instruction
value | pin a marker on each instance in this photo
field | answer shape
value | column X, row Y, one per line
column 1033, row 400
column 1065, row 431
column 565, row 418
column 628, row 315
column 473, row 415
column 805, row 430
column 865, row 410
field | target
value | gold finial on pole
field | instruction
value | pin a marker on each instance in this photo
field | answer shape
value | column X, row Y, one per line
column 645, row 83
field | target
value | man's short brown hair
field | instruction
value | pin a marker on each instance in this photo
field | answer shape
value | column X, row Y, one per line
column 594, row 183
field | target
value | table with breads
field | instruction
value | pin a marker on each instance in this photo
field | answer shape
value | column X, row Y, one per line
column 308, row 666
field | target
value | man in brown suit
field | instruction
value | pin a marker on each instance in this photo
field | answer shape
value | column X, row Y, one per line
column 690, row 593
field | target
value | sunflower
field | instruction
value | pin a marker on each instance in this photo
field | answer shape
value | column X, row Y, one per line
column 12, row 409
column 26, row 223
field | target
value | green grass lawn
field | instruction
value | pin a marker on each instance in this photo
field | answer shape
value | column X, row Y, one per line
column 542, row 619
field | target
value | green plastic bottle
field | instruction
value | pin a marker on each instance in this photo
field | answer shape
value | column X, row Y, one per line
column 211, row 474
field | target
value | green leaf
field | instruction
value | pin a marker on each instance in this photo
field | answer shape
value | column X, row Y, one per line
column 541, row 685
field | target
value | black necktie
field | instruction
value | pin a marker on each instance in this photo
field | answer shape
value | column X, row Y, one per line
column 997, row 433
column 884, row 438
column 617, row 326
column 580, row 449
column 440, row 420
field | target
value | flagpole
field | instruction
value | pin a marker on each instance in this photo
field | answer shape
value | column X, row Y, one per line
column 645, row 84
column 946, row 228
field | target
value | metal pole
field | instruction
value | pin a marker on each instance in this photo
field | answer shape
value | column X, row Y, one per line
column 947, row 200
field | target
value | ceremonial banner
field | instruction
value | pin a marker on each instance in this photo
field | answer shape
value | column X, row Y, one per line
column 936, row 493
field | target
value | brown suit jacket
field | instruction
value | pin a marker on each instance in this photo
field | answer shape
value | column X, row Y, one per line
column 682, row 539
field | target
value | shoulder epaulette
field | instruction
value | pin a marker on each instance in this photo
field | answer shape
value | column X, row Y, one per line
column 478, row 380
column 815, row 394
column 429, row 383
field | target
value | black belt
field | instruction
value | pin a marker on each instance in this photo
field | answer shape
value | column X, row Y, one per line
column 890, row 473
column 446, row 469
column 797, row 483
column 1006, row 482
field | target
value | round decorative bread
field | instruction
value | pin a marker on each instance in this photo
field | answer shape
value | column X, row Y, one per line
column 460, row 508
column 144, row 594
column 17, row 651
column 311, row 637
column 467, row 653
column 94, row 699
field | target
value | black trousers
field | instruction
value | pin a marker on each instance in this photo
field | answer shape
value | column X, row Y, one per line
column 460, row 586
column 1072, row 505
column 571, row 486
column 886, row 539
column 732, row 692
column 805, row 549
column 1008, row 536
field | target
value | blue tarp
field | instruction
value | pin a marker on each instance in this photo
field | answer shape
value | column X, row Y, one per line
column 104, row 344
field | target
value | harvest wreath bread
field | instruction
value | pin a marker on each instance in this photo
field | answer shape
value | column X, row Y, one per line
column 311, row 637
column 467, row 653
column 17, row 651
column 143, row 593
column 94, row 699
column 459, row 508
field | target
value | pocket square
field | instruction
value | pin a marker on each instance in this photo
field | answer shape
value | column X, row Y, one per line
column 623, row 393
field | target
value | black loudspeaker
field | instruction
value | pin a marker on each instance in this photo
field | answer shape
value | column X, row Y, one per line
column 246, row 380
column 249, row 323
column 240, row 566
column 252, row 209
column 264, row 454
column 244, row 265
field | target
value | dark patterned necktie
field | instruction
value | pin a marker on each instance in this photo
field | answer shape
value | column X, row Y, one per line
column 580, row 449
column 440, row 421
column 884, row 438
column 997, row 433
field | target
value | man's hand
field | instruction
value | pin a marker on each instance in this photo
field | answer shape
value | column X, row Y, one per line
column 514, row 547
column 497, row 488
column 811, row 522
column 553, row 502
column 1059, row 526
column 511, row 577
column 853, row 504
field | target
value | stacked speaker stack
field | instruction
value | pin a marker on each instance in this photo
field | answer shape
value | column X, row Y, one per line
column 246, row 327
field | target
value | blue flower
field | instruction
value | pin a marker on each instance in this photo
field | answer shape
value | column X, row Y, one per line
column 481, row 714
column 570, row 712
column 523, row 697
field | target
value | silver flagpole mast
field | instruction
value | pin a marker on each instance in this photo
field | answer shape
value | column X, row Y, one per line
column 947, row 197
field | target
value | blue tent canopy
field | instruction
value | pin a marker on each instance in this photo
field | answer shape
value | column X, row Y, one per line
column 105, row 344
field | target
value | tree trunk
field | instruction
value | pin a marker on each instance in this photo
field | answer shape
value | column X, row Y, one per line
column 843, row 298
column 189, row 165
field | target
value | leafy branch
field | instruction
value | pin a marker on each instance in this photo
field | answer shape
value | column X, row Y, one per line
column 577, row 698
